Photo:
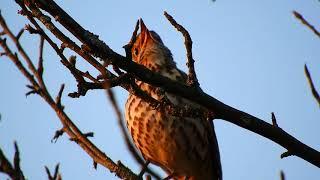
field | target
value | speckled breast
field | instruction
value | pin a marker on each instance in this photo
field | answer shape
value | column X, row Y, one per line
column 174, row 143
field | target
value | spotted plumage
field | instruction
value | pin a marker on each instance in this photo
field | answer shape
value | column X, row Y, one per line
column 184, row 147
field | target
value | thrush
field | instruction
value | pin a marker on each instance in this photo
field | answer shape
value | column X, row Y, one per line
column 184, row 147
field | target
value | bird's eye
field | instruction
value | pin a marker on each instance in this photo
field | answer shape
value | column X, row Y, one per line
column 135, row 51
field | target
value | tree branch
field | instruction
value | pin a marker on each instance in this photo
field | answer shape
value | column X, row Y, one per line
column 222, row 111
column 56, row 175
column 282, row 176
column 12, row 170
column 192, row 77
column 69, row 127
column 306, row 23
column 313, row 89
column 274, row 120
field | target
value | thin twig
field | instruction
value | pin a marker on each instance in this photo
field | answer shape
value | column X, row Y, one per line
column 274, row 120
column 20, row 33
column 286, row 154
column 192, row 77
column 67, row 42
column 40, row 62
column 58, row 98
column 15, row 39
column 313, row 89
column 16, row 159
column 222, row 111
column 12, row 170
column 125, row 135
column 282, row 176
column 144, row 168
column 69, row 127
column 89, row 76
column 57, row 134
column 16, row 61
column 89, row 134
column 306, row 23
column 56, row 175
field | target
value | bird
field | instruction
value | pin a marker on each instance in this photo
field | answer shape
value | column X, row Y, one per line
column 184, row 147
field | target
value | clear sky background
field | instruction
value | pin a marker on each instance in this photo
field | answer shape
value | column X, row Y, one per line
column 249, row 54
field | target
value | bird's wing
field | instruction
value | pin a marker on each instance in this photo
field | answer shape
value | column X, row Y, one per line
column 217, row 169
column 214, row 147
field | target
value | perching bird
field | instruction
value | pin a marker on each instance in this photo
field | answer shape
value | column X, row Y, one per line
column 184, row 147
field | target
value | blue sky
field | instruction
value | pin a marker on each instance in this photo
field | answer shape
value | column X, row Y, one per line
column 249, row 54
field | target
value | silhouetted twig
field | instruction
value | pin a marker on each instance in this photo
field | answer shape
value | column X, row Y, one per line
column 92, row 45
column 306, row 23
column 12, row 170
column 192, row 77
column 274, row 120
column 56, row 175
column 282, row 176
column 69, row 127
column 313, row 89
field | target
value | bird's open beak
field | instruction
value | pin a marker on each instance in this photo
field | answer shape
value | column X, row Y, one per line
column 143, row 27
column 144, row 31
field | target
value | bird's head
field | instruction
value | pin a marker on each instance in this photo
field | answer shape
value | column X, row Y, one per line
column 148, row 49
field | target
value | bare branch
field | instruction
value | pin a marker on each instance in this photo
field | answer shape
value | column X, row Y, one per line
column 221, row 110
column 13, row 171
column 40, row 62
column 58, row 98
column 286, row 154
column 16, row 61
column 3, row 54
column 16, row 159
column 18, row 45
column 313, row 89
column 144, row 168
column 100, row 49
column 274, row 120
column 282, row 176
column 20, row 33
column 56, row 172
column 69, row 127
column 192, row 77
column 89, row 134
column 95, row 165
column 56, row 175
column 57, row 134
column 33, row 90
column 306, row 23
column 89, row 76
column 31, row 30
column 67, row 42
column 48, row 172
